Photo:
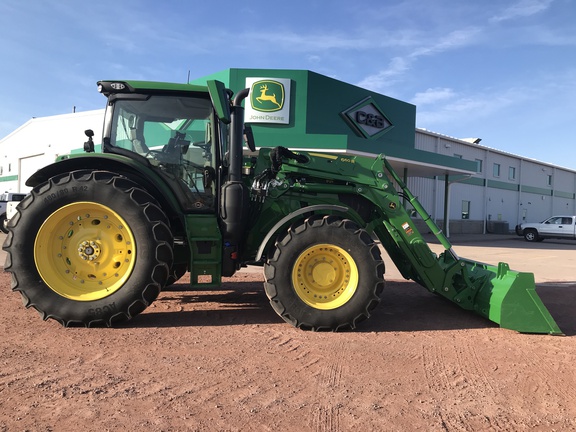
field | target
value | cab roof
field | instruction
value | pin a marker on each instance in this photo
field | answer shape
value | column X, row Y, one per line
column 107, row 87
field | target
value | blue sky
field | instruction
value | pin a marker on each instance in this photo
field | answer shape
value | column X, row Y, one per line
column 501, row 70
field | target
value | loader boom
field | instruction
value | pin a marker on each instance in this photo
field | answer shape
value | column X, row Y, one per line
column 505, row 297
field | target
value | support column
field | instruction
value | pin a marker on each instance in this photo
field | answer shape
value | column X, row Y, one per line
column 446, row 225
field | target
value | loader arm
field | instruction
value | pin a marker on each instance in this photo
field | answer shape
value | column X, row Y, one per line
column 504, row 296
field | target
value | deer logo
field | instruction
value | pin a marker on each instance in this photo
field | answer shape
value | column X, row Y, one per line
column 267, row 96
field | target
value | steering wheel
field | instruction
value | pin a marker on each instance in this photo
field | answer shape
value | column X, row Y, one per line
column 173, row 158
column 163, row 157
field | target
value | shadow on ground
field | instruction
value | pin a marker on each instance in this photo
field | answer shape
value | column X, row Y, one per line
column 405, row 307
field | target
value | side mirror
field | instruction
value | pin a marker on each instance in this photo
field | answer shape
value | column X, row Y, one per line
column 220, row 99
column 249, row 138
column 89, row 145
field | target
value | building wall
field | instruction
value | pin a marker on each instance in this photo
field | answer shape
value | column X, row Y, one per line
column 39, row 141
column 506, row 189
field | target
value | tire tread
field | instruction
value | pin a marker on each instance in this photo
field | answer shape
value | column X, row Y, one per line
column 156, row 218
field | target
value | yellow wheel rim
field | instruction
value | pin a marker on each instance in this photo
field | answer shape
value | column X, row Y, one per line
column 84, row 251
column 325, row 276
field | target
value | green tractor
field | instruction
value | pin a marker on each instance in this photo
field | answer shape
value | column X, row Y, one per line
column 180, row 187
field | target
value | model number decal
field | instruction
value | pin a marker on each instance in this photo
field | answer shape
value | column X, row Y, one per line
column 65, row 191
column 52, row 196
column 97, row 312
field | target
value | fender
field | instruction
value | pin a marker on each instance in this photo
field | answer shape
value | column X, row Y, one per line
column 293, row 215
column 139, row 172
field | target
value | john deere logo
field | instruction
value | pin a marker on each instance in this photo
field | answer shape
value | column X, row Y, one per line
column 267, row 96
column 269, row 100
column 367, row 119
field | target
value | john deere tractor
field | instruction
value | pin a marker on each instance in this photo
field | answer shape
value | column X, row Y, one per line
column 180, row 186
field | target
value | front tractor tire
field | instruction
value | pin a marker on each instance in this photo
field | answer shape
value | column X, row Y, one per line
column 88, row 248
column 324, row 274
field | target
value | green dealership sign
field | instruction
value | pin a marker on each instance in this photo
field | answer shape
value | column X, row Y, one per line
column 367, row 119
column 269, row 100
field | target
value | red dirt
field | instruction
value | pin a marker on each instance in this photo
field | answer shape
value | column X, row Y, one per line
column 223, row 361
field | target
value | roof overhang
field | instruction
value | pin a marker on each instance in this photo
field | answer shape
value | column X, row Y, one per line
column 428, row 167
column 414, row 168
column 425, row 169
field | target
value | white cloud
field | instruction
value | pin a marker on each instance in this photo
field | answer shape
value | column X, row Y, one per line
column 297, row 42
column 432, row 96
column 553, row 37
column 522, row 8
column 401, row 64
column 385, row 78
column 453, row 40
column 448, row 109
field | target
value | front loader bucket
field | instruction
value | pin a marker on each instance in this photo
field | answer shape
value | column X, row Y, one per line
column 509, row 298
column 504, row 296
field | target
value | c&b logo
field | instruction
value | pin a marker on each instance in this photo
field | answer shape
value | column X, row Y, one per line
column 267, row 96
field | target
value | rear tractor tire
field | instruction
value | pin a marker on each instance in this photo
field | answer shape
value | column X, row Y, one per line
column 176, row 272
column 89, row 248
column 325, row 273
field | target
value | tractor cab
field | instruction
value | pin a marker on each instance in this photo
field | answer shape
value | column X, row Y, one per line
column 175, row 131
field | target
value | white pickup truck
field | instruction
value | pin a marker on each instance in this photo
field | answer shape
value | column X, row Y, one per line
column 562, row 227
column 8, row 199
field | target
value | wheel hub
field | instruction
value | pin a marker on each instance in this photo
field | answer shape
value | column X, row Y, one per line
column 89, row 250
column 325, row 276
column 323, row 273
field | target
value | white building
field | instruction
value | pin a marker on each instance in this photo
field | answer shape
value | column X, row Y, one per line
column 39, row 141
column 506, row 189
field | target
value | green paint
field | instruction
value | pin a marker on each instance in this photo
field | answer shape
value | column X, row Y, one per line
column 318, row 119
column 205, row 243
column 474, row 181
column 502, row 185
column 535, row 190
column 561, row 194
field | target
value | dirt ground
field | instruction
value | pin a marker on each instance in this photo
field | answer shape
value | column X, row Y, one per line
column 223, row 361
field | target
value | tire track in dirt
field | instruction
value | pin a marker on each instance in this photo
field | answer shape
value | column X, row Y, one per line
column 455, row 369
column 14, row 376
column 536, row 365
column 257, row 392
column 109, row 379
column 456, row 372
column 326, row 416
